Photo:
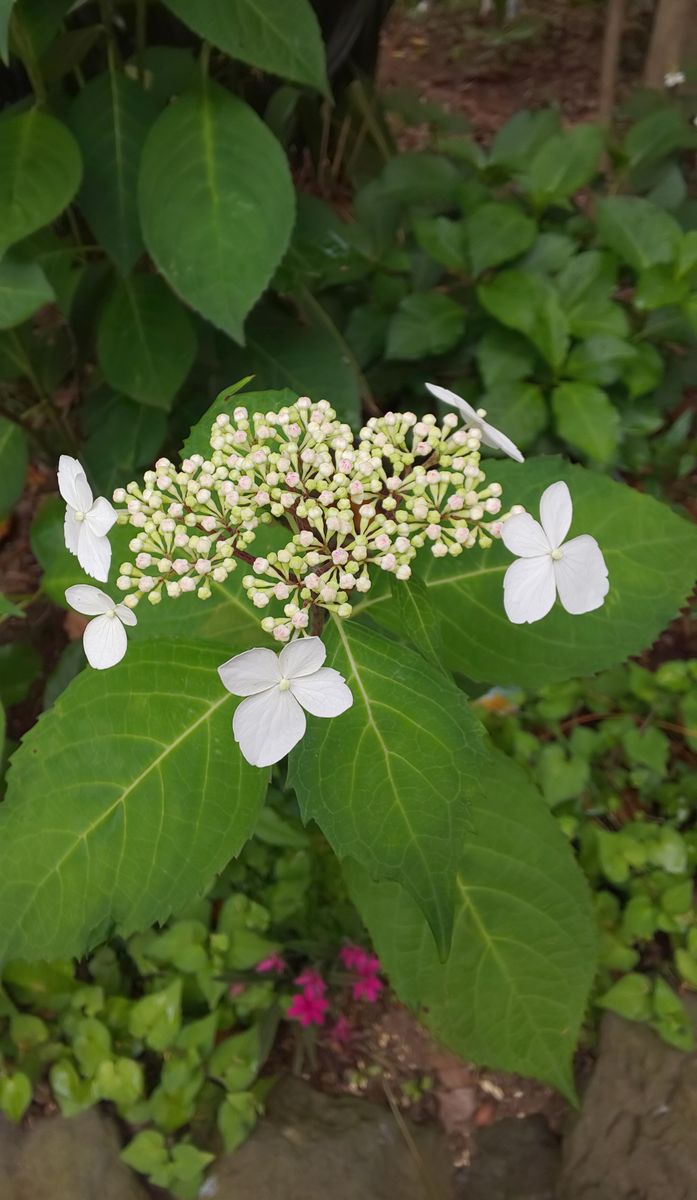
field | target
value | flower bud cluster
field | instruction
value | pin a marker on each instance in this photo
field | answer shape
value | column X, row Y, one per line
column 353, row 508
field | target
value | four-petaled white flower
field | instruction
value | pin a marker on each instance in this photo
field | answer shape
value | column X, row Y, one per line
column 104, row 638
column 278, row 687
column 490, row 436
column 87, row 521
column 547, row 565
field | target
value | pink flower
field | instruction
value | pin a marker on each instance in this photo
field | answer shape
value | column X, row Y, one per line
column 367, row 989
column 237, row 989
column 308, row 1008
column 274, row 962
column 312, row 983
column 355, row 958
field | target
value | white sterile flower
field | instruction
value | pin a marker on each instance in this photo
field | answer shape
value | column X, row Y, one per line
column 87, row 521
column 104, row 638
column 673, row 79
column 548, row 565
column 278, row 687
column 490, row 436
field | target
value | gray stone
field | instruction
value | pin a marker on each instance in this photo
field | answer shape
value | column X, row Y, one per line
column 635, row 1136
column 314, row 1147
column 59, row 1159
column 513, row 1159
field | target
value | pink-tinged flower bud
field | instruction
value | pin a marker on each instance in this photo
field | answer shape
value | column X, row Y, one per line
column 300, row 620
column 281, row 591
column 187, row 466
column 311, row 581
column 433, row 477
column 119, row 495
column 208, row 523
column 493, row 505
column 439, row 549
column 355, row 488
column 476, row 513
column 281, row 633
column 260, row 599
column 222, row 419
column 495, row 529
column 143, row 561
column 340, row 556
column 203, row 566
column 455, row 503
column 187, row 584
column 146, row 583
column 328, row 594
column 173, row 588
column 382, row 542
column 240, row 413
column 306, row 538
column 260, row 565
column 388, row 562
column 403, row 572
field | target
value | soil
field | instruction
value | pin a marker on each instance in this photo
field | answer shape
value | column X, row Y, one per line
column 486, row 70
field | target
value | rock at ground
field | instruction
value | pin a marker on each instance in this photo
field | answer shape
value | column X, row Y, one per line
column 514, row 1159
column 635, row 1136
column 59, row 1159
column 314, row 1147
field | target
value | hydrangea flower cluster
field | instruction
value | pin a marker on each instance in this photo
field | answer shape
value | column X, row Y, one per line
column 353, row 508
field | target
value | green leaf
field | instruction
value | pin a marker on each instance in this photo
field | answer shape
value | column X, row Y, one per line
column 237, row 1117
column 512, row 993
column 122, row 437
column 630, row 997
column 23, row 289
column 169, row 71
column 110, row 119
column 91, row 1042
column 658, row 135
column 40, row 172
column 278, row 36
column 587, row 420
column 638, row 231
column 5, row 13
column 443, row 240
column 155, row 1019
column 648, row 747
column 425, row 323
column 519, row 409
column 657, row 288
column 59, row 262
column 650, row 554
column 210, row 156
column 420, row 623
column 497, row 233
column 585, row 287
column 14, row 457
column 120, row 1081
column 15, row 1095
column 529, row 304
column 522, row 136
column 503, row 357
column 563, row 164
column 98, row 832
column 602, row 359
column 389, row 782
column 72, row 1093
column 282, row 353
column 20, row 664
column 145, row 342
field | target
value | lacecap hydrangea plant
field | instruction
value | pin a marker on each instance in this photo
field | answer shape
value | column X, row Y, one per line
column 375, row 581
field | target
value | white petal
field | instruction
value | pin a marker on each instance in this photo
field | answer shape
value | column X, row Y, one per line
column 524, row 536
column 302, row 657
column 126, row 614
column 71, row 530
column 93, row 553
column 88, row 600
column 556, row 511
column 252, row 672
column 323, row 694
column 455, row 401
column 581, row 575
column 493, row 437
column 528, row 589
column 267, row 726
column 105, row 642
column 73, row 485
column 100, row 517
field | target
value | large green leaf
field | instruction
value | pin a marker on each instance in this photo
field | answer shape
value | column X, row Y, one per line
column 13, row 463
column 389, row 781
column 111, row 118
column 123, row 802
column 563, row 164
column 145, row 343
column 529, row 304
column 281, row 352
column 39, row 173
column 586, row 419
column 656, row 136
column 513, row 990
column 640, row 232
column 121, row 437
column 279, row 36
column 23, row 289
column 216, row 204
column 497, row 233
column 650, row 553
